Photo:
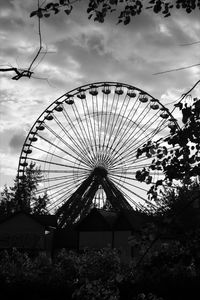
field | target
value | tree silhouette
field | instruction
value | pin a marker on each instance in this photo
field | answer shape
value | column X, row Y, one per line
column 182, row 163
column 22, row 196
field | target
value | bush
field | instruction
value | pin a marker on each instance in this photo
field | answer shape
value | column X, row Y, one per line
column 171, row 272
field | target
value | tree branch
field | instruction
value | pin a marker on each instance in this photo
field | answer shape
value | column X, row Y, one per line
column 29, row 71
column 40, row 43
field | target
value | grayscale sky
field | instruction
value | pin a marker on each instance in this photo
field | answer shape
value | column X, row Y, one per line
column 80, row 51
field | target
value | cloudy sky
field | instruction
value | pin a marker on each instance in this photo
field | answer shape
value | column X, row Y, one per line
column 80, row 51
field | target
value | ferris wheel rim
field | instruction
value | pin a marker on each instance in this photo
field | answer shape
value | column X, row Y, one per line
column 73, row 93
column 100, row 83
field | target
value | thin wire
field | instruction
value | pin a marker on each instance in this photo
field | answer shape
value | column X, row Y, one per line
column 177, row 69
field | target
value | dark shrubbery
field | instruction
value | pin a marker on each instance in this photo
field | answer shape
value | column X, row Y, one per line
column 171, row 272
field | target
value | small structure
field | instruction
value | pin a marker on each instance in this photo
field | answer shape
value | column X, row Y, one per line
column 27, row 232
column 101, row 228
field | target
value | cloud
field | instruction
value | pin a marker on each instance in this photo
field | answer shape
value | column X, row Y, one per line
column 16, row 142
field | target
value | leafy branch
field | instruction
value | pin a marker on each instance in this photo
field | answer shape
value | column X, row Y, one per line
column 180, row 159
column 126, row 9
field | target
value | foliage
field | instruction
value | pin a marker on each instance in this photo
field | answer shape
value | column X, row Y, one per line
column 22, row 196
column 98, row 290
column 93, row 274
column 173, row 268
column 15, row 267
column 180, row 161
column 183, row 201
column 172, row 272
column 148, row 296
column 126, row 9
column 86, row 274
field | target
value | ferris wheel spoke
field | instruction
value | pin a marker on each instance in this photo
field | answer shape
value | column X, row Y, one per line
column 139, row 205
column 134, row 160
column 57, row 164
column 90, row 127
column 136, row 204
column 129, row 146
column 59, row 200
column 128, row 190
column 105, row 122
column 128, row 120
column 151, row 173
column 123, row 124
column 98, row 125
column 102, row 125
column 57, row 171
column 77, row 143
column 129, row 133
column 74, row 148
column 62, row 188
column 80, row 139
column 109, row 122
column 80, row 136
column 115, row 116
column 54, row 155
column 132, row 164
column 118, row 178
column 84, row 131
column 50, row 179
column 123, row 152
column 69, row 180
column 54, row 187
column 61, row 149
column 67, row 188
column 145, row 127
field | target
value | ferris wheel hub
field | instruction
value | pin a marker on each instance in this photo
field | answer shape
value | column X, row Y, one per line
column 100, row 172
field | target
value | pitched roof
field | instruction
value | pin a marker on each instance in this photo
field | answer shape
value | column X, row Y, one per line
column 100, row 220
column 130, row 220
column 44, row 220
column 97, row 220
column 47, row 220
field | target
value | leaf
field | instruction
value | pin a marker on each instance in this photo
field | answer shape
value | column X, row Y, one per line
column 47, row 15
column 167, row 15
column 113, row 2
column 127, row 20
column 68, row 11
column 39, row 14
column 89, row 9
column 120, row 21
column 33, row 13
column 49, row 5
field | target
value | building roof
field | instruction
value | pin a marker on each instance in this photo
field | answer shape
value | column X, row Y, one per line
column 97, row 220
column 101, row 220
column 44, row 220
column 130, row 220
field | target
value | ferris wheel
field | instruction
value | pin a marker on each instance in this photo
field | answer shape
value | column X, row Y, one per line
column 86, row 144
